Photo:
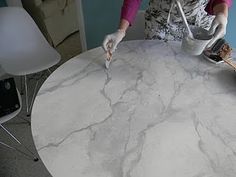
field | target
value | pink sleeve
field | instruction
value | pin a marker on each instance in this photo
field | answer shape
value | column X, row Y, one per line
column 212, row 3
column 129, row 10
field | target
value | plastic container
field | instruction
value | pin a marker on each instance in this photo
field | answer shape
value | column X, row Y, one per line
column 197, row 45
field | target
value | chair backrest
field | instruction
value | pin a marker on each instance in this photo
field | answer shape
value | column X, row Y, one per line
column 23, row 48
column 136, row 31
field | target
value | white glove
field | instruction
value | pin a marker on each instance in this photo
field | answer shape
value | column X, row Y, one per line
column 218, row 28
column 112, row 40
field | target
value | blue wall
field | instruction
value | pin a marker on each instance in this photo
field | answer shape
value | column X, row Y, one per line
column 100, row 19
column 103, row 19
column 3, row 3
column 231, row 28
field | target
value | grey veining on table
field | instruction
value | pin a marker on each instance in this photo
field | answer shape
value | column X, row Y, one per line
column 155, row 113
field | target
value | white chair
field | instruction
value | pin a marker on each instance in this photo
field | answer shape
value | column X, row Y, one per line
column 23, row 48
column 8, row 117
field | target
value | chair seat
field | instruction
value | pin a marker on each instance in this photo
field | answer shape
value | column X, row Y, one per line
column 15, row 67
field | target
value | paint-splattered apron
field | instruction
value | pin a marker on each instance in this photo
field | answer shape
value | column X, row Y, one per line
column 163, row 21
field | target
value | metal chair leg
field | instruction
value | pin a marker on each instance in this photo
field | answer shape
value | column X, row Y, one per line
column 8, row 146
column 26, row 96
column 26, row 120
column 10, row 134
column 33, row 97
column 21, row 85
column 29, row 103
column 50, row 72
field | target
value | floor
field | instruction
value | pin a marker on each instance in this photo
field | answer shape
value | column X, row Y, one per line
column 12, row 163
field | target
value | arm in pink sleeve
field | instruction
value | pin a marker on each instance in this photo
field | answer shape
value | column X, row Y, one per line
column 129, row 10
column 212, row 3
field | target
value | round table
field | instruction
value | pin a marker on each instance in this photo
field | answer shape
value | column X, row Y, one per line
column 155, row 113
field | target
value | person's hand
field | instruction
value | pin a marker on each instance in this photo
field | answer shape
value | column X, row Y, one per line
column 218, row 28
column 112, row 40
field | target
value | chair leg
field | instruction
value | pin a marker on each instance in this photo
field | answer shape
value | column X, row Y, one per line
column 29, row 103
column 26, row 120
column 26, row 96
column 50, row 72
column 33, row 97
column 10, row 134
column 10, row 147
column 21, row 85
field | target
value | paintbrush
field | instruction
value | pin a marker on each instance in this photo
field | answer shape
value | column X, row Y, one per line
column 109, row 56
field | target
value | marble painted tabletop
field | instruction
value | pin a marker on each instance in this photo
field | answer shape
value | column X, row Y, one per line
column 155, row 113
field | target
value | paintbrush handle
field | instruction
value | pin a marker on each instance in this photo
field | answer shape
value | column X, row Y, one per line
column 230, row 62
column 184, row 19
